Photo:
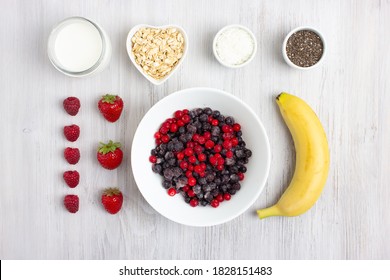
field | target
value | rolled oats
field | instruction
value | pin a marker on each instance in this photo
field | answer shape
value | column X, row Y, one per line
column 157, row 51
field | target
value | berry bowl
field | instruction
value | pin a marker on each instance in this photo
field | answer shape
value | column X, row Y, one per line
column 174, row 207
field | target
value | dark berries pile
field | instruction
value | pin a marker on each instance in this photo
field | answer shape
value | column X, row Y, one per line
column 201, row 154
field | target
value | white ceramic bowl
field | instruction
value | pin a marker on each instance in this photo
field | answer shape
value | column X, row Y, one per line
column 216, row 40
column 150, row 183
column 132, row 58
column 284, row 52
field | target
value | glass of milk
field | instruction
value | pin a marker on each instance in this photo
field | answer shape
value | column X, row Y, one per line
column 79, row 47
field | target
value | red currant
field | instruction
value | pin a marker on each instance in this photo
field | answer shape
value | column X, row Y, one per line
column 236, row 127
column 180, row 123
column 198, row 169
column 227, row 196
column 165, row 139
column 220, row 161
column 202, row 140
column 194, row 202
column 198, row 149
column 195, row 137
column 185, row 111
column 225, row 128
column 191, row 193
column 173, row 128
column 220, row 167
column 214, row 122
column 229, row 154
column 164, row 130
column 227, row 144
column 180, row 155
column 186, row 118
column 157, row 135
column 185, row 188
column 209, row 144
column 207, row 135
column 188, row 174
column 153, row 159
column 191, row 181
column 189, row 152
column 213, row 160
column 214, row 203
column 234, row 142
column 202, row 157
column 192, row 159
column 217, row 148
column 172, row 191
column 183, row 165
column 178, row 114
column 219, row 198
column 241, row 176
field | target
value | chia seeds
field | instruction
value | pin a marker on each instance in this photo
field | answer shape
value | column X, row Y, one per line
column 304, row 48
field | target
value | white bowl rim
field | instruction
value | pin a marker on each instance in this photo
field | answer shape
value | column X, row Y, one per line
column 223, row 29
column 268, row 152
column 131, row 56
column 289, row 62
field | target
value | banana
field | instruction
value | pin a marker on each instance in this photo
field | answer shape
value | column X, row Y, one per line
column 312, row 159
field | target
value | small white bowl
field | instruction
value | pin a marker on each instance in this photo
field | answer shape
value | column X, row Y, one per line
column 284, row 52
column 132, row 58
column 222, row 31
column 175, row 208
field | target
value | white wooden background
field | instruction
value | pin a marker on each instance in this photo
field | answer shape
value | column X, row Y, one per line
column 350, row 92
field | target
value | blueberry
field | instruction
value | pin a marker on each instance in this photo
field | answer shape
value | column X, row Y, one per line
column 225, row 179
column 240, row 153
column 153, row 152
column 200, row 195
column 232, row 191
column 207, row 111
column 233, row 169
column 187, row 199
column 238, row 133
column 216, row 114
column 167, row 184
column 172, row 162
column 197, row 189
column 236, row 186
column 213, row 185
column 203, row 118
column 206, row 188
column 168, row 173
column 229, row 161
column 234, row 178
column 208, row 197
column 192, row 114
column 224, row 188
column 165, row 165
column 181, row 182
column 229, row 121
column 248, row 153
column 182, row 130
column 221, row 118
column 215, row 131
column 210, row 177
column 242, row 169
column 206, row 126
column 204, row 202
column 199, row 111
column 202, row 181
column 191, row 128
column 169, row 155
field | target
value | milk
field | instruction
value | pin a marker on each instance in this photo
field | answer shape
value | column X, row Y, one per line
column 78, row 45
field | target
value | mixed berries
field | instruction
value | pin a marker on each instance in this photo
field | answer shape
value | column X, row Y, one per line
column 201, row 154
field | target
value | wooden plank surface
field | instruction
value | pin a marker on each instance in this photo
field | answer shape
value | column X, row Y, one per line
column 350, row 93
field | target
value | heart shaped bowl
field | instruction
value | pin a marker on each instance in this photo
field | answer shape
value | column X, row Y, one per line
column 139, row 68
column 150, row 183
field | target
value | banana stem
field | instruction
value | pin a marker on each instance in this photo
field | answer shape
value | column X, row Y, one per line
column 269, row 212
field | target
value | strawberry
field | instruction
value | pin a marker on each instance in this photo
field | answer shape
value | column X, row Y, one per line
column 71, row 178
column 112, row 200
column 111, row 107
column 72, row 132
column 71, row 203
column 110, row 155
column 72, row 155
column 72, row 105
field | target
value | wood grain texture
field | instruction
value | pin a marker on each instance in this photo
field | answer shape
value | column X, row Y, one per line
column 350, row 93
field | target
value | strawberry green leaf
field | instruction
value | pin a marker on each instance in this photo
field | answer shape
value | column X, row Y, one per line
column 109, row 98
column 109, row 147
